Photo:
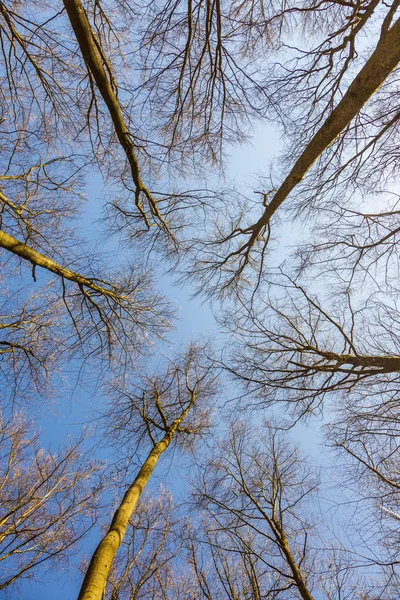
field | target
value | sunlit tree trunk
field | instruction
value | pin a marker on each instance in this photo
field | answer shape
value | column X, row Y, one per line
column 378, row 67
column 96, row 576
column 100, row 69
column 37, row 259
column 294, row 567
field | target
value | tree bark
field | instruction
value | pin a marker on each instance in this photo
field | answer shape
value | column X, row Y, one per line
column 99, row 68
column 96, row 576
column 382, row 364
column 8, row 242
column 297, row 576
column 378, row 67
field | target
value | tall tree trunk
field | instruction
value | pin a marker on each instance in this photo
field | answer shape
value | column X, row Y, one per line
column 96, row 575
column 378, row 364
column 378, row 67
column 297, row 575
column 100, row 70
column 8, row 242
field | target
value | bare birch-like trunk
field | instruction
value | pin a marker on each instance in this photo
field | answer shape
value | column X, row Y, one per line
column 37, row 259
column 378, row 67
column 96, row 575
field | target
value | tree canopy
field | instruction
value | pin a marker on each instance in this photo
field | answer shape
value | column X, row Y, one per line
column 118, row 121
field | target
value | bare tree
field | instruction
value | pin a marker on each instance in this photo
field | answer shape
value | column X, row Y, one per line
column 252, row 492
column 223, row 569
column 209, row 68
column 258, row 535
column 102, row 307
column 160, row 410
column 101, row 75
column 147, row 94
column 290, row 348
column 226, row 570
column 205, row 49
column 48, row 502
column 252, row 496
column 150, row 546
column 238, row 245
column 39, row 207
column 30, row 343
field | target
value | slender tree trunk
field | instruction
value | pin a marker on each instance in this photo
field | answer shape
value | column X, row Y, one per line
column 283, row 542
column 96, row 64
column 96, row 576
column 381, row 364
column 297, row 575
column 8, row 242
column 378, row 67
column 100, row 70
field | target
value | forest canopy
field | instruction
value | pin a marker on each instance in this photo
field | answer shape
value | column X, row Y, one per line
column 253, row 456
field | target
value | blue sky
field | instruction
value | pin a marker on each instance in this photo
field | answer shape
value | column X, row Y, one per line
column 246, row 163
